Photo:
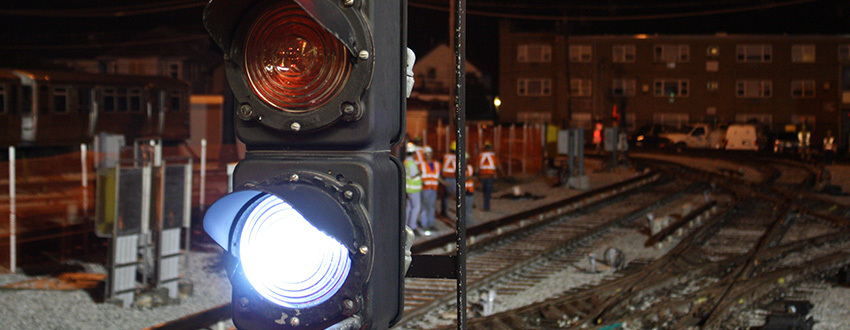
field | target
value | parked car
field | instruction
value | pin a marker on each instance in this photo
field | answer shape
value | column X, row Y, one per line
column 698, row 136
column 742, row 137
column 648, row 136
column 785, row 142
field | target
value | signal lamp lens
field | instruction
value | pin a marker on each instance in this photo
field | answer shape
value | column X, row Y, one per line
column 286, row 259
column 292, row 62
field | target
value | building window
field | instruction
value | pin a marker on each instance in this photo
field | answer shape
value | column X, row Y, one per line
column 754, row 53
column 538, row 53
column 672, row 53
column 712, row 86
column 671, row 88
column 754, row 88
column 534, row 87
column 581, row 53
column 623, row 87
column 581, row 87
column 173, row 69
column 803, row 53
column 60, row 99
column 677, row 120
column 844, row 53
column 802, row 89
column 623, row 53
column 712, row 51
column 762, row 119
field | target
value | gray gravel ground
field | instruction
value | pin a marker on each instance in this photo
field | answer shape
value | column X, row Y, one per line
column 34, row 309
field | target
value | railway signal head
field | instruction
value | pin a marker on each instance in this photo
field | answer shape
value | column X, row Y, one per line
column 327, row 69
column 314, row 229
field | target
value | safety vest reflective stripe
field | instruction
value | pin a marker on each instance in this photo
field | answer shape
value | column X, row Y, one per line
column 420, row 155
column 413, row 178
column 430, row 175
column 449, row 165
column 487, row 162
column 469, row 184
column 829, row 143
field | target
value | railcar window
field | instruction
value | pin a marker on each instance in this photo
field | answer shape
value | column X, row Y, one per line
column 2, row 98
column 44, row 100
column 121, row 99
column 83, row 100
column 135, row 100
column 176, row 100
column 108, row 100
column 60, row 99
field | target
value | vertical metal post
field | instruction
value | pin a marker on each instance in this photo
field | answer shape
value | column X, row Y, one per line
column 202, row 194
column 13, row 238
column 511, row 136
column 459, row 27
column 525, row 146
column 425, row 136
column 85, row 180
column 580, row 150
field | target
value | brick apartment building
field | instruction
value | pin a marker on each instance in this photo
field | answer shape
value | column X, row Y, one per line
column 781, row 81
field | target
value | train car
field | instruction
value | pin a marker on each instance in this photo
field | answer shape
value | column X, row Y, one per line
column 55, row 108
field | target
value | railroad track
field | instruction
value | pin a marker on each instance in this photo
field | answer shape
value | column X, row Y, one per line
column 730, row 263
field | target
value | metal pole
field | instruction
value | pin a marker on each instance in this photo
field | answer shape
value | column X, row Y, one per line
column 12, row 210
column 511, row 136
column 525, row 146
column 460, row 110
column 203, row 183
column 85, row 172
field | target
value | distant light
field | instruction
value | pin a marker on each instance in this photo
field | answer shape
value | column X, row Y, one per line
column 286, row 259
column 497, row 101
column 641, row 36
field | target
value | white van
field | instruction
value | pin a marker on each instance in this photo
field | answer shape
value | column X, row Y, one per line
column 742, row 137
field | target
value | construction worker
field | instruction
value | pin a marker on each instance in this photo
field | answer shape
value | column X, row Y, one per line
column 804, row 139
column 413, row 182
column 469, row 186
column 828, row 147
column 419, row 157
column 448, row 173
column 487, row 167
column 430, row 183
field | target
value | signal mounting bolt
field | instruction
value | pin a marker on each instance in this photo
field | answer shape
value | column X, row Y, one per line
column 295, row 126
column 364, row 54
column 245, row 111
column 348, row 3
column 364, row 249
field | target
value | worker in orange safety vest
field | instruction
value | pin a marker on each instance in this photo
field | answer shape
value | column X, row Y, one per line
column 487, row 169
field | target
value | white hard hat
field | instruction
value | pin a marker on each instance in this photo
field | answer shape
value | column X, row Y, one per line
column 428, row 150
column 411, row 148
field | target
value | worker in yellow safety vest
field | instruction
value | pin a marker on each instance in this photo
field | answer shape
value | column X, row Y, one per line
column 413, row 182
column 487, row 168
column 430, row 169
column 448, row 173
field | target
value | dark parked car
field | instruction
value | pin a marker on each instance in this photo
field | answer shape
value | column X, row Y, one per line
column 647, row 136
column 785, row 142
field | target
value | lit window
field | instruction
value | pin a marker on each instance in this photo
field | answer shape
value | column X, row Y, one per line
column 671, row 88
column 581, row 53
column 534, row 87
column 754, row 88
column 623, row 53
column 803, row 53
column 536, row 53
column 754, row 53
column 802, row 89
column 712, row 86
column 671, row 53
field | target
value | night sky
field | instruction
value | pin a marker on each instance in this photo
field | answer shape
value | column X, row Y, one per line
column 31, row 30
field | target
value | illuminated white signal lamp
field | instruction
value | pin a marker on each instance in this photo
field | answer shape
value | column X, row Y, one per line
column 285, row 258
